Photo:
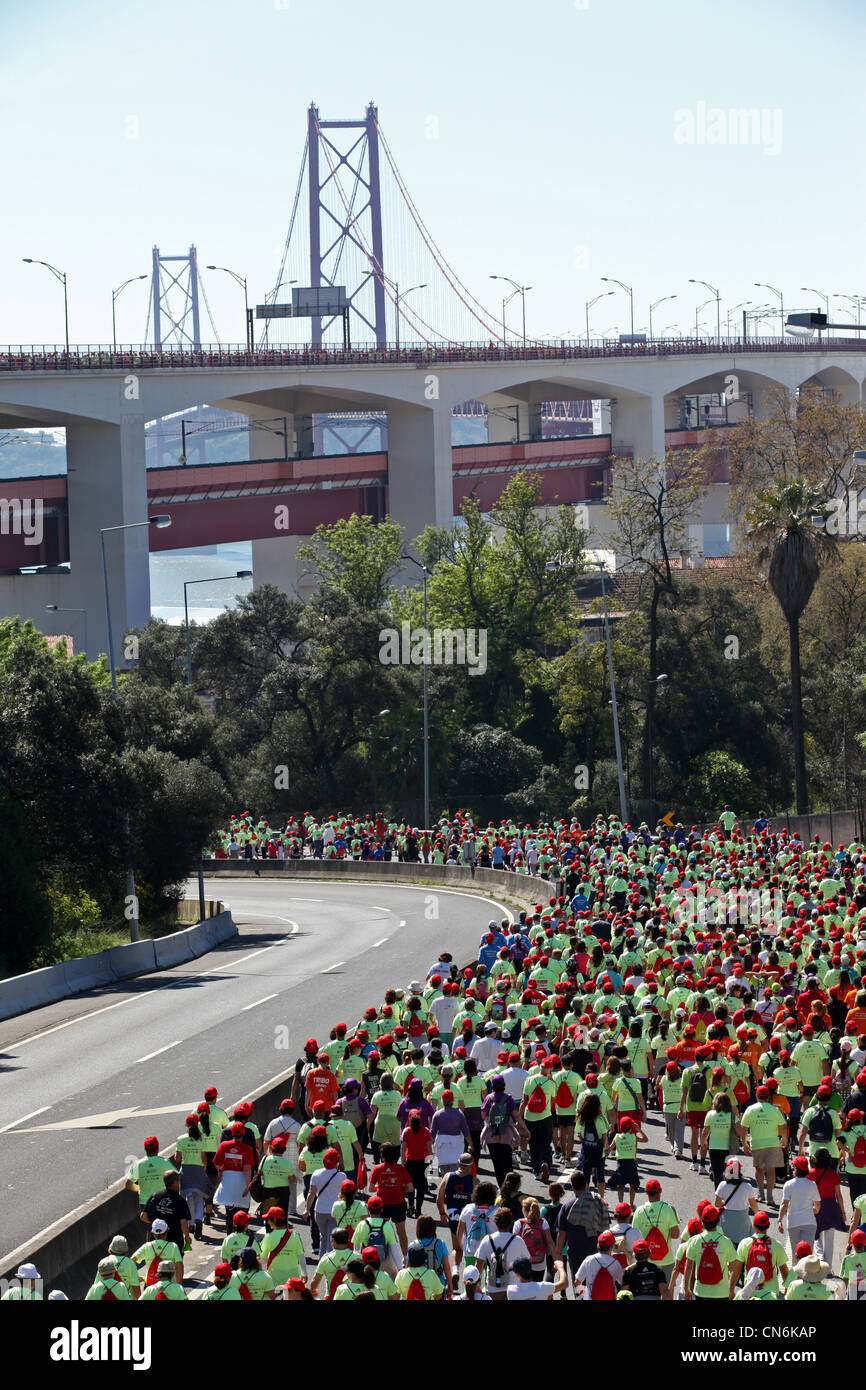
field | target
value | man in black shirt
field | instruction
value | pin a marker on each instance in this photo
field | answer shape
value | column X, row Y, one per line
column 172, row 1208
column 645, row 1280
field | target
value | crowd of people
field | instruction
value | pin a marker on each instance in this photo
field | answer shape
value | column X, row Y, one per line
column 701, row 989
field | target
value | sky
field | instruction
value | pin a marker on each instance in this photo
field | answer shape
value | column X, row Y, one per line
column 552, row 141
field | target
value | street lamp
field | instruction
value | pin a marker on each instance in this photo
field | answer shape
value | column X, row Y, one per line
column 623, row 805
column 663, row 300
column 240, row 280
column 397, row 297
column 115, row 295
column 376, row 717
column 742, row 305
column 589, row 304
column 715, row 292
column 240, row 574
column 160, row 522
column 272, row 296
column 808, row 289
column 424, row 570
column 854, row 299
column 61, row 276
column 56, row 608
column 608, row 279
column 518, row 289
column 759, row 284
column 698, row 313
column 216, row 579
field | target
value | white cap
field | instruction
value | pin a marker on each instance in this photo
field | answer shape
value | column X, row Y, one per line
column 159, row 1226
column 28, row 1272
column 58, row 1296
column 471, row 1275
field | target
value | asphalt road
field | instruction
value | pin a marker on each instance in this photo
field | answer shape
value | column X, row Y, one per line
column 308, row 954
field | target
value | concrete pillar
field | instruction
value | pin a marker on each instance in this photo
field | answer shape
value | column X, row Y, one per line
column 420, row 486
column 764, row 402
column 532, row 415
column 638, row 426
column 503, row 423
column 275, row 559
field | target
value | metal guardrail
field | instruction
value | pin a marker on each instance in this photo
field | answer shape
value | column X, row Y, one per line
column 144, row 357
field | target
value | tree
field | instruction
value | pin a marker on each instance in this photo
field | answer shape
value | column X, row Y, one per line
column 651, row 505
column 25, row 914
column 782, row 528
column 357, row 556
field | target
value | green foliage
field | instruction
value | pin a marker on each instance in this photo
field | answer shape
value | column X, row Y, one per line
column 25, row 913
column 719, row 780
column 357, row 557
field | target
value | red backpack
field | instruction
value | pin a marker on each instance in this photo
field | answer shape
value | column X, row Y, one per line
column 537, row 1101
column 760, row 1256
column 416, row 1290
column 858, row 1155
column 603, row 1286
column 533, row 1239
column 336, row 1281
column 563, row 1099
column 414, row 1027
column 243, row 1290
column 161, row 1297
column 709, row 1269
column 741, row 1091
column 657, row 1242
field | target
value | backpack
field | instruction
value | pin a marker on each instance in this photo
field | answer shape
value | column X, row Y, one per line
column 416, row 1291
column 497, row 1117
column 760, row 1256
column 352, row 1110
column 533, row 1239
column 429, row 1248
column 741, row 1091
column 163, row 1297
column 620, row 1250
column 657, row 1242
column 500, row 1271
column 414, row 1028
column 336, row 1281
column 376, row 1236
column 709, row 1270
column 478, row 1229
column 858, row 1153
column 698, row 1086
column 563, row 1099
column 537, row 1100
column 821, row 1125
column 603, row 1286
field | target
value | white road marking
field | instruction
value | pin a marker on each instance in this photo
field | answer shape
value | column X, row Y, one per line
column 258, row 1001
column 34, row 1037
column 304, row 900
column 13, row 1123
column 110, row 1117
column 230, row 964
column 380, row 943
column 335, row 966
column 403, row 922
column 158, row 1051
column 377, row 908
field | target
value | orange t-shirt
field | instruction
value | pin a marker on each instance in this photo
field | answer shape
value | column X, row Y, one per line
column 321, row 1084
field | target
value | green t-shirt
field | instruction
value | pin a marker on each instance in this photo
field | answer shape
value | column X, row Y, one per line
column 671, row 1088
column 117, row 1287
column 149, row 1173
column 257, row 1281
column 830, row 1145
column 430, row 1282
column 726, row 1251
column 169, row 1287
column 789, row 1079
column 290, row 1262
column 237, row 1241
column 536, row 1080
column 230, row 1294
column 276, row 1170
column 719, row 1126
column 778, row 1255
column 808, row 1291
column 386, row 1127
column 191, row 1150
column 809, row 1055
column 763, row 1122
column 851, row 1136
column 347, row 1291
column 329, row 1267
column 664, row 1216
column 625, row 1145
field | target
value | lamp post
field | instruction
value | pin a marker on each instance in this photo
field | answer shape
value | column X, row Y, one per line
column 373, row 722
column 424, row 570
column 759, row 284
column 664, row 299
column 698, row 314
column 629, row 291
column 240, row 574
column 718, row 300
column 241, row 280
column 216, row 579
column 623, row 805
column 742, row 305
column 808, row 289
column 272, row 296
column 115, row 295
column 589, row 304
column 56, row 608
column 61, row 276
column 160, row 522
column 854, row 299
column 397, row 297
column 521, row 290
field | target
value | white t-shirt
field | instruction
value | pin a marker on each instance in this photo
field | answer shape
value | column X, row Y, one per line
column 470, row 1216
column 513, row 1248
column 736, row 1199
column 327, row 1192
column 590, row 1267
column 514, row 1079
column 800, row 1193
column 443, row 1008
column 532, row 1291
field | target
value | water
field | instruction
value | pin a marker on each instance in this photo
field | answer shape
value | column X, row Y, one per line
column 170, row 569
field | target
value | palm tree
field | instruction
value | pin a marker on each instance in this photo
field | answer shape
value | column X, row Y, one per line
column 784, row 524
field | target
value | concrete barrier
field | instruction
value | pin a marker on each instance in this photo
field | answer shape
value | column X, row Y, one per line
column 21, row 993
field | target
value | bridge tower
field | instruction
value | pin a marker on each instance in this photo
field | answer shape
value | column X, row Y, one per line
column 333, row 224
column 174, row 300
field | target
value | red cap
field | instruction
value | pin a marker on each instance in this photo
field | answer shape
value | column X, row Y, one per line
column 606, row 1239
column 653, row 1185
column 238, row 1129
column 241, row 1219
column 151, row 1142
